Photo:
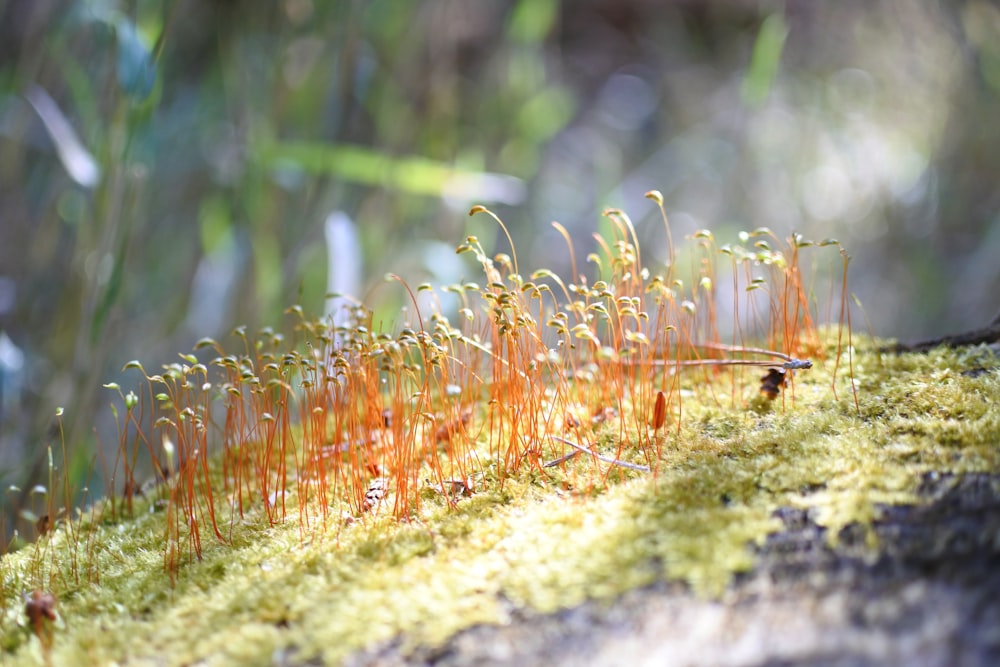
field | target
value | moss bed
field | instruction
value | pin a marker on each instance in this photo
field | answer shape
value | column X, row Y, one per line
column 308, row 592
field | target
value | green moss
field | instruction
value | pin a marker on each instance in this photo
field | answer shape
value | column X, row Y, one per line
column 538, row 541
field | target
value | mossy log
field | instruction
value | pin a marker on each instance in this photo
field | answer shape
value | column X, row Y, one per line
column 813, row 529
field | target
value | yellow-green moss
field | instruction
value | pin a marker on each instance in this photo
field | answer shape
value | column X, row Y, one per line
column 535, row 542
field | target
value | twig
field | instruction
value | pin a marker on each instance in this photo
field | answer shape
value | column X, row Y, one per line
column 788, row 363
column 583, row 450
column 562, row 459
column 791, row 364
column 986, row 335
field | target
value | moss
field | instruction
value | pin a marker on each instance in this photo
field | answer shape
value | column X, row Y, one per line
column 538, row 541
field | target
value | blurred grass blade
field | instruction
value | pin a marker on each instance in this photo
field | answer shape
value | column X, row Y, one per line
column 110, row 294
column 77, row 160
column 412, row 174
column 532, row 20
column 765, row 60
column 136, row 68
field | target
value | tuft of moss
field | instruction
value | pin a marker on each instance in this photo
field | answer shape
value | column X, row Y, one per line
column 536, row 540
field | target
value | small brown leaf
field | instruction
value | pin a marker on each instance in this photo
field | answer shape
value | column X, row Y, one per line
column 570, row 421
column 771, row 384
column 659, row 411
column 603, row 414
column 457, row 487
column 453, row 427
column 40, row 607
column 376, row 493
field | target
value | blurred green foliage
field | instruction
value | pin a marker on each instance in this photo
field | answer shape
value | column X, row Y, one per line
column 166, row 165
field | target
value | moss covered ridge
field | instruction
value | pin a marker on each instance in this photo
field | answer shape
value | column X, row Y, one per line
column 316, row 495
column 535, row 542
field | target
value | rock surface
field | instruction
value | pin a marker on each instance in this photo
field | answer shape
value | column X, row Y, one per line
column 928, row 594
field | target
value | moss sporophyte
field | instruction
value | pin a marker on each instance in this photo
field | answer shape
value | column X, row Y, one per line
column 554, row 440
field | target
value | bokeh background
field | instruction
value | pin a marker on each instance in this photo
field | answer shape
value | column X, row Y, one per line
column 166, row 166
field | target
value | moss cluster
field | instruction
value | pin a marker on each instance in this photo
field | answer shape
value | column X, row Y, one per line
column 315, row 591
